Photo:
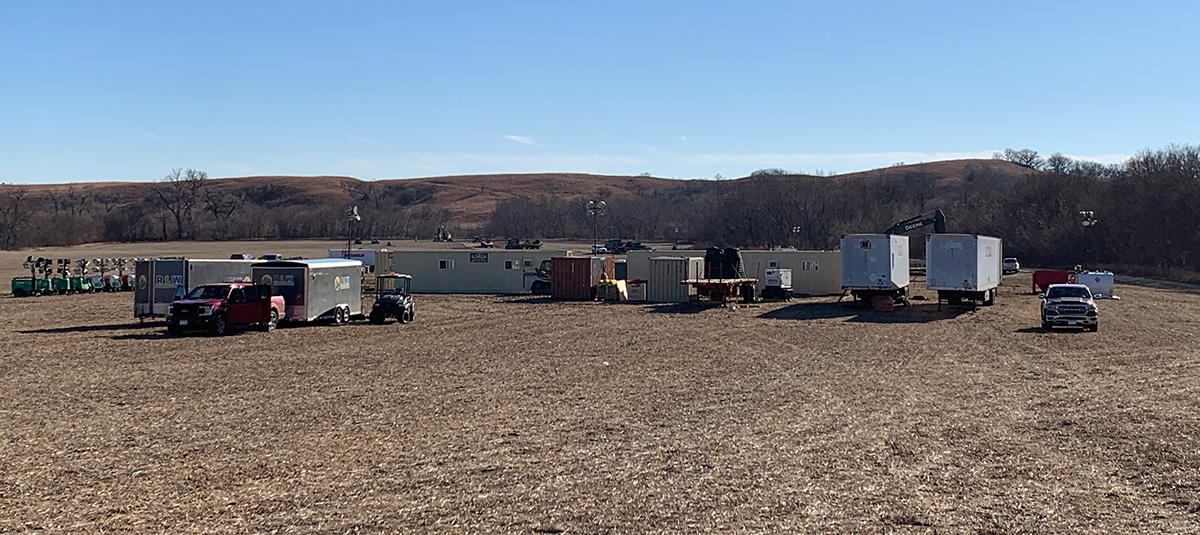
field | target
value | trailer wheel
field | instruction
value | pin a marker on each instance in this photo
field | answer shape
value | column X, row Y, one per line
column 340, row 316
column 220, row 325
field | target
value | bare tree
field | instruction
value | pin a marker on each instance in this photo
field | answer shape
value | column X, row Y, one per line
column 178, row 194
column 14, row 214
column 1024, row 157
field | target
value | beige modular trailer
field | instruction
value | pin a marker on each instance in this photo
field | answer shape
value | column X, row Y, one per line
column 813, row 272
column 666, row 273
column 465, row 271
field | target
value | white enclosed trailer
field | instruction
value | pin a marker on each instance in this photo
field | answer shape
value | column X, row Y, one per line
column 327, row 288
column 875, row 265
column 963, row 267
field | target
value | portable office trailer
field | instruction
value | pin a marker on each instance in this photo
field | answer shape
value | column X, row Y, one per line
column 576, row 277
column 963, row 267
column 328, row 288
column 813, row 272
column 490, row 271
column 666, row 273
column 875, row 264
column 159, row 281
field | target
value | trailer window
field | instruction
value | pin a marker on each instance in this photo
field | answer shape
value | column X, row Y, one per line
column 512, row 264
column 445, row 264
column 810, row 265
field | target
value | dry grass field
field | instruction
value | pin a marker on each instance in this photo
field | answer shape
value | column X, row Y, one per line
column 509, row 414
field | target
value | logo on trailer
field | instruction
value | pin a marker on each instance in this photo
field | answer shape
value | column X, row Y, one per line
column 143, row 282
column 279, row 280
column 341, row 283
column 168, row 281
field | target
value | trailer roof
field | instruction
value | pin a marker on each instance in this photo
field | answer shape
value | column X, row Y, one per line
column 313, row 262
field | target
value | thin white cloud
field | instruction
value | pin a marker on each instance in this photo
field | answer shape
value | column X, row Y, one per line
column 523, row 139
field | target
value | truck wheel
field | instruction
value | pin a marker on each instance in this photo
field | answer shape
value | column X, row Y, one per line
column 221, row 325
column 274, row 321
column 173, row 330
column 1094, row 328
column 1046, row 325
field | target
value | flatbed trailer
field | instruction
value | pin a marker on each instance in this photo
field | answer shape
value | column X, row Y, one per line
column 722, row 290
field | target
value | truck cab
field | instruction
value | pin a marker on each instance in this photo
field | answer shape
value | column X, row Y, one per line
column 222, row 307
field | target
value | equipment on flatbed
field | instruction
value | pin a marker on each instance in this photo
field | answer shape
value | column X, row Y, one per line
column 394, row 299
column 516, row 243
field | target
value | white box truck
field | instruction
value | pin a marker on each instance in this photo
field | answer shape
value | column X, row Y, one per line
column 875, row 265
column 963, row 267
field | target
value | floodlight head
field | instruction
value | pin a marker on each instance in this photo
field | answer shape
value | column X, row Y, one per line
column 26, row 264
column 353, row 213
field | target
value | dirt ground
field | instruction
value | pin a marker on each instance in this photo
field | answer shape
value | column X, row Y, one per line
column 507, row 414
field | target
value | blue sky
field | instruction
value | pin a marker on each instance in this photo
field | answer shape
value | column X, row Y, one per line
column 127, row 91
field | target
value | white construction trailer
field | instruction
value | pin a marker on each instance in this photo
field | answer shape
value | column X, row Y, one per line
column 875, row 265
column 963, row 267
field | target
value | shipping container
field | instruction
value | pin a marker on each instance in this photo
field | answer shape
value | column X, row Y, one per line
column 875, row 264
column 666, row 274
column 963, row 267
column 328, row 288
column 159, row 281
column 576, row 277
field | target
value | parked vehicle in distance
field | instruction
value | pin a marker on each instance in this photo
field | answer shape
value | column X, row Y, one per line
column 1069, row 305
column 222, row 307
column 1011, row 265
column 270, row 257
column 394, row 299
column 599, row 249
column 241, row 256
column 374, row 241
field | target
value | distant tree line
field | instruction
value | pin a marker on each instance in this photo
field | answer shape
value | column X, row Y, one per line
column 1147, row 210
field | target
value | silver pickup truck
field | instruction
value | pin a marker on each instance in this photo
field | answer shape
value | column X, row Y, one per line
column 1069, row 305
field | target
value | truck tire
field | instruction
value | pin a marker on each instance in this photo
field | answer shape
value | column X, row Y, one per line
column 273, row 322
column 1094, row 328
column 173, row 330
column 220, row 325
column 1046, row 325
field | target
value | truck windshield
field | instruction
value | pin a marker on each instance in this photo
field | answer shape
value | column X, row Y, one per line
column 208, row 292
column 1068, row 291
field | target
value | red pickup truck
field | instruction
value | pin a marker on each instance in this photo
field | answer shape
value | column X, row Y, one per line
column 221, row 307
